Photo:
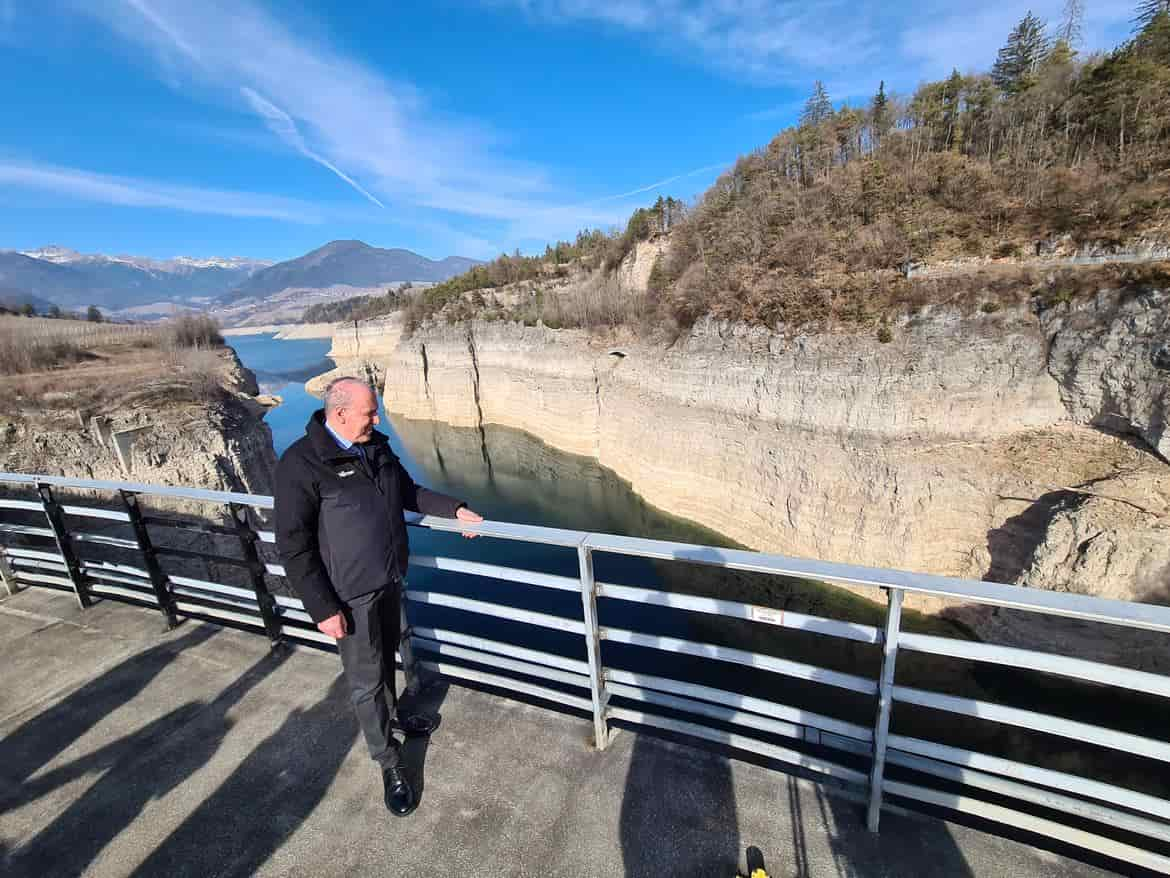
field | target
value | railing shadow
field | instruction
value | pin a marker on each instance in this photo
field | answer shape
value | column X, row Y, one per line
column 678, row 814
column 279, row 784
column 138, row 768
column 48, row 734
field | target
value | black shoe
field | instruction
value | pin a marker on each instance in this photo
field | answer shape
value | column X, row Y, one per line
column 400, row 799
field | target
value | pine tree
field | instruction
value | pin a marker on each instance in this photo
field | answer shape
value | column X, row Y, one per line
column 1016, row 63
column 952, row 106
column 879, row 111
column 1148, row 10
column 1070, row 31
column 818, row 107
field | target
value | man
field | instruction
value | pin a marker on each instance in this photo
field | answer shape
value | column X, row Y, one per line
column 340, row 532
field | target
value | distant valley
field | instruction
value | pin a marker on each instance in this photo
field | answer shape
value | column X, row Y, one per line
column 233, row 288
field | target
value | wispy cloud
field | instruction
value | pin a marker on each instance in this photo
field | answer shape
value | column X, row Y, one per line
column 331, row 108
column 706, row 169
column 131, row 192
column 282, row 125
column 850, row 44
column 768, row 40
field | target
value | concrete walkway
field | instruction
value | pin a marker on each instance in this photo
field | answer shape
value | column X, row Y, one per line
column 125, row 750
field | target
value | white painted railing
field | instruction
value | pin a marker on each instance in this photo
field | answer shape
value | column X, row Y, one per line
column 1121, row 823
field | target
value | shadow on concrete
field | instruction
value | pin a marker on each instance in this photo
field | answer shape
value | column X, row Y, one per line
column 136, row 769
column 905, row 846
column 275, row 788
column 429, row 700
column 680, row 818
column 678, row 812
column 44, row 737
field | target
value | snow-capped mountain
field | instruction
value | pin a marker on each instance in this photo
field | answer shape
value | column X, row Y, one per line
column 72, row 280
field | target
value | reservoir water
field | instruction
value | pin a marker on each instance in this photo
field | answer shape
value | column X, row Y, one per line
column 508, row 475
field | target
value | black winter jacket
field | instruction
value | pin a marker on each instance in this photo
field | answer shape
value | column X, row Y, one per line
column 340, row 530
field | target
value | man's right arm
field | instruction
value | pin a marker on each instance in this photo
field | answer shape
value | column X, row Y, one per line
column 297, row 507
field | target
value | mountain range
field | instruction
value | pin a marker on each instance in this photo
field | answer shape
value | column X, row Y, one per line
column 144, row 285
column 349, row 263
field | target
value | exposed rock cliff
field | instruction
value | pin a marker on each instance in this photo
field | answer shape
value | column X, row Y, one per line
column 938, row 451
column 219, row 444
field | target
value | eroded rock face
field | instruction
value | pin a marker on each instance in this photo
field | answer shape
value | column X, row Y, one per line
column 1113, row 542
column 218, row 445
column 1111, row 359
column 829, row 445
column 957, row 448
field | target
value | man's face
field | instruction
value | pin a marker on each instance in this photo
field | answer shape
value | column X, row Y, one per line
column 356, row 420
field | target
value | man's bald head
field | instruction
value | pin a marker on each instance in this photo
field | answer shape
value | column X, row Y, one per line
column 351, row 408
column 344, row 392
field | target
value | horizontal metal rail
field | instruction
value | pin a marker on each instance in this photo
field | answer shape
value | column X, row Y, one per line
column 1064, row 666
column 117, row 577
column 742, row 742
column 1034, row 774
column 1031, row 823
column 487, row 658
column 217, row 613
column 26, row 530
column 21, row 552
column 94, row 512
column 258, row 501
column 90, row 566
column 36, row 564
column 794, row 715
column 1035, row 795
column 214, row 587
column 445, row 635
column 48, row 578
column 103, row 540
column 1113, row 612
column 495, row 571
column 1038, row 722
column 500, row 611
column 102, row 588
column 30, row 505
column 447, row 669
column 726, row 715
column 739, row 610
column 798, row 670
column 526, row 533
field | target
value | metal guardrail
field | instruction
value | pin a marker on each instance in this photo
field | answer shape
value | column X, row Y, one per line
column 1073, row 809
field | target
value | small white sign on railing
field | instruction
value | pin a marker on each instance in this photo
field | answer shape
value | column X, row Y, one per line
column 768, row 615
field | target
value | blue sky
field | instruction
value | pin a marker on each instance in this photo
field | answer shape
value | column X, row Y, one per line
column 257, row 128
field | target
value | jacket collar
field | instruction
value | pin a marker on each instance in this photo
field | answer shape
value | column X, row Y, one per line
column 326, row 447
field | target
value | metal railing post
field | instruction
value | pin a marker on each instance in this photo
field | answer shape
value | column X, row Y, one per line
column 264, row 599
column 593, row 647
column 158, row 579
column 881, row 727
column 56, row 517
column 6, row 575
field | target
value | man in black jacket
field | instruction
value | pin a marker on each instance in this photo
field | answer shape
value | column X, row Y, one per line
column 341, row 534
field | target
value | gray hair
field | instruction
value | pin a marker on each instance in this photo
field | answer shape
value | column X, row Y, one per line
column 339, row 392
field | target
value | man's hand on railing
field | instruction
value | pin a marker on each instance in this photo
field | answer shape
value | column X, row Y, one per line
column 463, row 513
column 334, row 626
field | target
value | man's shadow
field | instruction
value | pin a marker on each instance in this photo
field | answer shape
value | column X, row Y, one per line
column 138, row 768
column 427, row 701
column 48, row 734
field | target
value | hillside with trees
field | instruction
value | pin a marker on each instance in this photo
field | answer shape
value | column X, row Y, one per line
column 1050, row 151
